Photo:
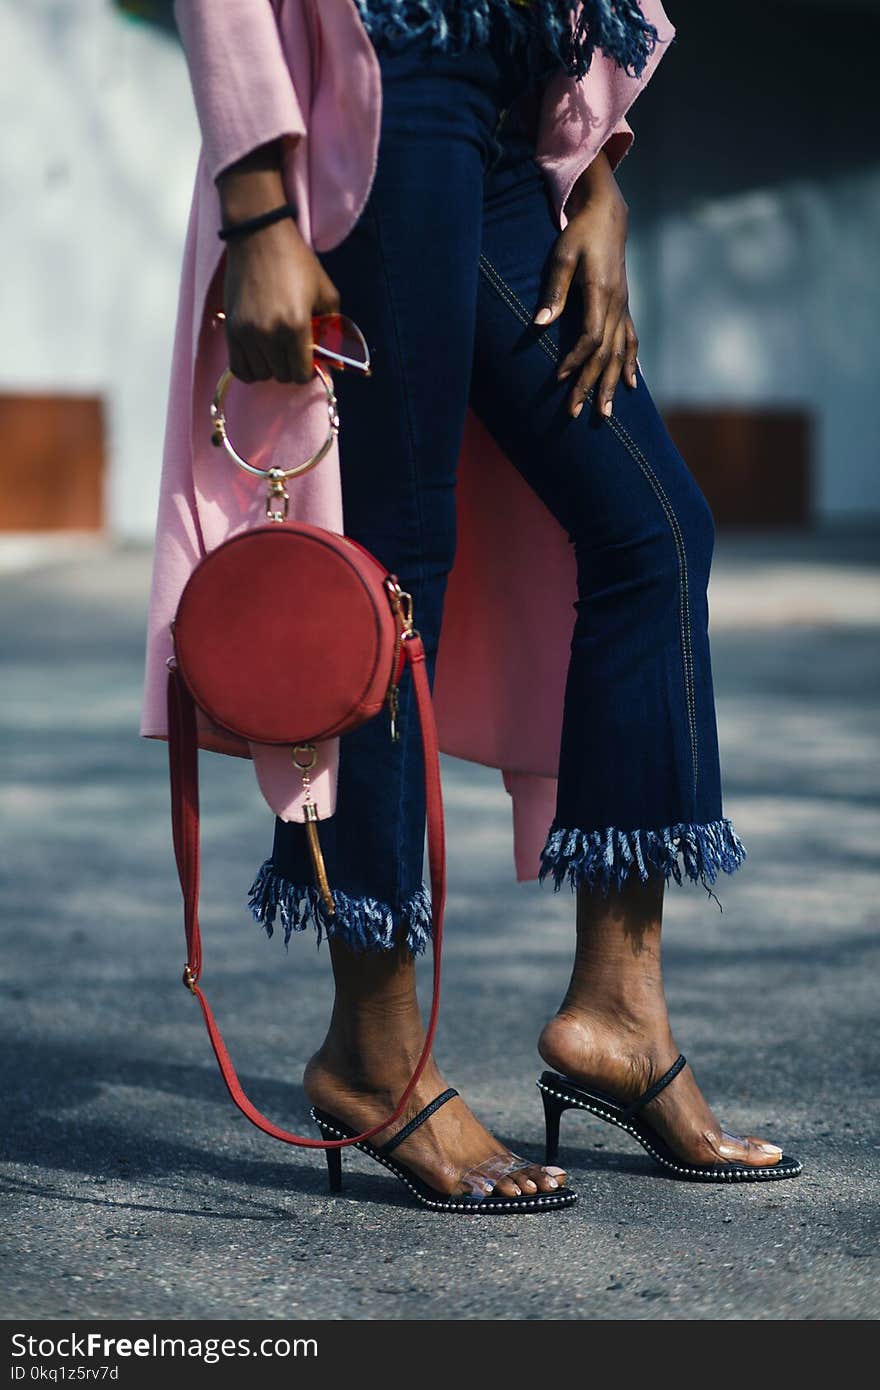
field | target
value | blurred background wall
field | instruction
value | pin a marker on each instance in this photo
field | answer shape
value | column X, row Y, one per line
column 96, row 172
column 755, row 196
column 754, row 188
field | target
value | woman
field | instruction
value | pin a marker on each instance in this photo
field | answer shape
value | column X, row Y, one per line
column 492, row 290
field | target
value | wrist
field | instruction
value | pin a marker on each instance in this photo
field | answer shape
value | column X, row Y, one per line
column 596, row 184
column 246, row 193
column 249, row 226
column 270, row 244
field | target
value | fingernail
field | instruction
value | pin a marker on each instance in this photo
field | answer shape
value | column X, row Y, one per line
column 544, row 315
column 577, row 410
column 633, row 381
column 563, row 373
column 606, row 408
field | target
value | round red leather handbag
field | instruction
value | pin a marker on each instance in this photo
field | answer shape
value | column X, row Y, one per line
column 240, row 656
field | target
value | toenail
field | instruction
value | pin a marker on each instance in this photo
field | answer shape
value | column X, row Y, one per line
column 551, row 1182
column 555, row 1172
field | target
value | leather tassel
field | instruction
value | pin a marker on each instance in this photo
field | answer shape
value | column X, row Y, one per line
column 319, row 868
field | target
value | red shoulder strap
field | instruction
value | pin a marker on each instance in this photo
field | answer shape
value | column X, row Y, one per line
column 184, row 770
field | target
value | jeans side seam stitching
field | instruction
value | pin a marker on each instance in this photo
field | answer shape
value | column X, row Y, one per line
column 635, row 453
column 500, row 286
column 513, row 303
column 507, row 295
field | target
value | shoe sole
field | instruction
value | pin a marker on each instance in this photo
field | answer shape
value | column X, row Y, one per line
column 486, row 1206
column 653, row 1145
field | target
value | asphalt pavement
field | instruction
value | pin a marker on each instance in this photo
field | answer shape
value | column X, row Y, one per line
column 130, row 1185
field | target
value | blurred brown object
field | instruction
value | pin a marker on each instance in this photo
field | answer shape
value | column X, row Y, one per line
column 754, row 466
column 52, row 463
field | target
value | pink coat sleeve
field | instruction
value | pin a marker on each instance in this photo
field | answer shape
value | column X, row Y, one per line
column 580, row 117
column 241, row 82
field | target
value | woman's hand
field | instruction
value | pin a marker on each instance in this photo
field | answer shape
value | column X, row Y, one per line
column 274, row 281
column 590, row 253
column 274, row 284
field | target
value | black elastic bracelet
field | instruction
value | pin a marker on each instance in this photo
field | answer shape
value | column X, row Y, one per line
column 253, row 224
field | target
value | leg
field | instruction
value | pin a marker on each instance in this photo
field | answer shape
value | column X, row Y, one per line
column 407, row 273
column 639, row 797
column 612, row 1029
column 373, row 1042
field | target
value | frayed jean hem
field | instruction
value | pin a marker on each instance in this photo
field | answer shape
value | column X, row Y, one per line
column 363, row 924
column 605, row 859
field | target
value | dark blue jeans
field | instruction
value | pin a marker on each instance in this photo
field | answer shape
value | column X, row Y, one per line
column 443, row 271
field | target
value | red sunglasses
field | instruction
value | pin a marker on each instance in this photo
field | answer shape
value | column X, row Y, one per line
column 337, row 338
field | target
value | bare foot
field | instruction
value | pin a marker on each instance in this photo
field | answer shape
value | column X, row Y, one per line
column 623, row 1059
column 442, row 1151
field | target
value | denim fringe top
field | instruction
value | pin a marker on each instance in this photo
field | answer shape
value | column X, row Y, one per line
column 616, row 27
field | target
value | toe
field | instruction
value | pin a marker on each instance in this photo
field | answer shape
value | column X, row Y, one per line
column 757, row 1153
column 507, row 1187
column 762, row 1152
column 549, row 1179
column 527, row 1181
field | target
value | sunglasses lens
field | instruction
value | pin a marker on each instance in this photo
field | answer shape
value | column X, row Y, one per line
column 341, row 336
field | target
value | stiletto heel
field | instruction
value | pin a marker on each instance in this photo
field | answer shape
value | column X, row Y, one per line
column 480, row 1182
column 553, row 1107
column 334, row 1169
column 560, row 1093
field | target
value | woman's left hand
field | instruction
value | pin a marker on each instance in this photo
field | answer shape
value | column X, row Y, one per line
column 591, row 253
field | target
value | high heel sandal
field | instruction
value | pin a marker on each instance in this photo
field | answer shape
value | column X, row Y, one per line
column 482, row 1179
column 560, row 1093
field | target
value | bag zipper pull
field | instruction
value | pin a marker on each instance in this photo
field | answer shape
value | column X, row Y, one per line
column 393, row 699
column 402, row 606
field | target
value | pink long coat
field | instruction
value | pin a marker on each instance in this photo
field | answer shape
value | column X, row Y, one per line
column 261, row 69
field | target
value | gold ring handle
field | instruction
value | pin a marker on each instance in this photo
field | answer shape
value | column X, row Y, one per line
column 220, row 430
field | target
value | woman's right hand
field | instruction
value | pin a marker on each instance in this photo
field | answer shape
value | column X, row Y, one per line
column 274, row 281
column 274, row 284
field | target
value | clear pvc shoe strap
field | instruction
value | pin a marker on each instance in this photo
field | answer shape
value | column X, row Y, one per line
column 480, row 1181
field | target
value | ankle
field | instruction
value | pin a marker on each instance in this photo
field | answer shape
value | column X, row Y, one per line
column 364, row 1059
